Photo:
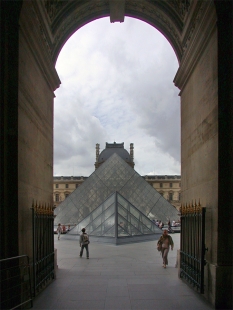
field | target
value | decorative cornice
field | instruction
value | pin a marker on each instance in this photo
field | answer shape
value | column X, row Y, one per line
column 53, row 7
column 195, row 18
column 44, row 34
column 198, row 38
column 181, row 6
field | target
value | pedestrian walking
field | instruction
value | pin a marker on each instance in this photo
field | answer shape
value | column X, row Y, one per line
column 59, row 231
column 165, row 241
column 84, row 241
column 169, row 225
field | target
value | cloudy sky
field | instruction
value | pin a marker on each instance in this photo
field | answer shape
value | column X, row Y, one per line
column 117, row 85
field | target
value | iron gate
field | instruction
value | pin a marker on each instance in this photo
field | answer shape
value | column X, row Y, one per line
column 192, row 245
column 43, row 246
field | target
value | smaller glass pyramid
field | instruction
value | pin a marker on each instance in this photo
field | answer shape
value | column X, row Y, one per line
column 116, row 217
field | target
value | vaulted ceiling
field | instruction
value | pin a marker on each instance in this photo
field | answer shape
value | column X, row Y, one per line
column 169, row 17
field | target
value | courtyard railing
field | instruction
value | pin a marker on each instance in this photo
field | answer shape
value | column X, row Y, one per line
column 15, row 281
column 192, row 245
column 43, row 246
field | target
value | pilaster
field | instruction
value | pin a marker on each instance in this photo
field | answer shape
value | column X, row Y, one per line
column 195, row 40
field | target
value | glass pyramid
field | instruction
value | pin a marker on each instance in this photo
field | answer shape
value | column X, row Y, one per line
column 114, row 175
column 116, row 217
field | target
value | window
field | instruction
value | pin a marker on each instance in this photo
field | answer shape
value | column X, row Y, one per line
column 179, row 196
column 57, row 197
column 161, row 184
column 66, row 195
column 161, row 193
column 57, row 186
column 170, row 196
column 76, row 185
column 67, row 185
column 170, row 184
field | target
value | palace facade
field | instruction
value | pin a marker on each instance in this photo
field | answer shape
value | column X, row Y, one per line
column 63, row 186
column 169, row 186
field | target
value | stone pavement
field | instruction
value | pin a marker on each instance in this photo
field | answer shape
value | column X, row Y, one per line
column 123, row 277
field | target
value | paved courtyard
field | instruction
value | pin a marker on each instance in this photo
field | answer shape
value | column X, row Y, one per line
column 122, row 277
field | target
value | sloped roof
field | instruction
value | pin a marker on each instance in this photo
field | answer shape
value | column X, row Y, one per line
column 112, row 148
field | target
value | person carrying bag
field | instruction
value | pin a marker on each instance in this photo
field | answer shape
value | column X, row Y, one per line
column 84, row 242
column 163, row 245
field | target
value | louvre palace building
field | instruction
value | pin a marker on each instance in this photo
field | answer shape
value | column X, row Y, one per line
column 169, row 186
column 201, row 35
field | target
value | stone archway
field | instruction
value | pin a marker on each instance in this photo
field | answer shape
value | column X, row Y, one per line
column 158, row 16
column 200, row 33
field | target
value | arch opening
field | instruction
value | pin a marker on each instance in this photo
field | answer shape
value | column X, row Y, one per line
column 121, row 69
column 204, row 77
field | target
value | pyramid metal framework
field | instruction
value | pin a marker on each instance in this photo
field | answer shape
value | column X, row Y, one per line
column 114, row 178
column 118, row 218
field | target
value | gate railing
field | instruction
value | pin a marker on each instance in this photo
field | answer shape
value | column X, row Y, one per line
column 43, row 246
column 192, row 245
column 15, row 281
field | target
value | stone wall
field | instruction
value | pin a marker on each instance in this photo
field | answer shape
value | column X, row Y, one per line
column 37, row 82
column 198, row 80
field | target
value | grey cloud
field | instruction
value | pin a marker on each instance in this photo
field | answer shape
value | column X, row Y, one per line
column 116, row 92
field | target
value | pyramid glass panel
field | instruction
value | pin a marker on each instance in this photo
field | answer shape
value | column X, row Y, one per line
column 132, row 221
column 99, row 219
column 105, row 229
column 98, row 231
column 110, row 232
column 123, row 212
column 124, row 228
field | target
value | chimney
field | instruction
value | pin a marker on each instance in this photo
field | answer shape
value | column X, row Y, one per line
column 131, row 152
column 97, row 152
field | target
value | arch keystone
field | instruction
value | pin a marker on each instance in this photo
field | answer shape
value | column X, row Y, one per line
column 117, row 10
